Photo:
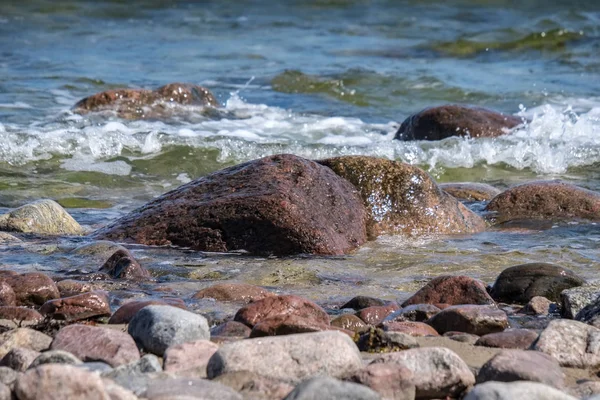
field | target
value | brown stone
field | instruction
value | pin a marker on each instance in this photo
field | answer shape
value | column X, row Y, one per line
column 350, row 322
column 509, row 339
column 80, row 306
column 126, row 312
column 122, row 265
column 281, row 205
column 70, row 287
column 33, row 288
column 391, row 381
column 287, row 324
column 437, row 123
column 413, row 312
column 403, row 199
column 7, row 294
column 538, row 305
column 189, row 359
column 475, row 319
column 241, row 292
column 20, row 314
column 521, row 283
column 186, row 93
column 451, row 290
column 91, row 343
column 275, row 306
column 230, row 329
column 469, row 191
column 360, row 302
column 410, row 327
column 546, row 200
column 374, row 315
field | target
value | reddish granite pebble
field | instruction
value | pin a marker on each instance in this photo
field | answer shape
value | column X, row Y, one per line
column 122, row 265
column 374, row 315
column 70, row 287
column 81, row 306
column 452, row 290
column 479, row 320
column 233, row 292
column 274, row 306
column 33, row 288
column 126, row 312
column 409, row 327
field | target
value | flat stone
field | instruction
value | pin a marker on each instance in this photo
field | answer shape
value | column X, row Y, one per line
column 330, row 388
column 23, row 337
column 254, row 386
column 231, row 329
column 297, row 206
column 516, row 390
column 413, row 312
column 20, row 314
column 274, row 306
column 575, row 299
column 403, row 199
column 122, row 265
column 538, row 305
column 521, row 283
column 190, row 358
column 441, row 122
column 126, row 312
column 7, row 295
column 548, row 200
column 185, row 388
column 241, row 292
column 379, row 341
column 572, row 343
column 78, row 307
column 451, row 290
column 521, row 365
column 157, row 327
column 376, row 314
column 44, row 217
column 292, row 358
column 55, row 357
column 437, row 372
column 509, row 339
column 478, row 320
column 59, row 381
column 470, row 191
column 350, row 322
column 33, row 288
column 391, row 381
column 71, row 287
column 19, row 358
column 92, row 343
column 286, row 325
column 411, row 328
column 360, row 302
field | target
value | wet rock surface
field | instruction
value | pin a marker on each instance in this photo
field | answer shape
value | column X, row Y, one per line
column 474, row 319
column 44, row 217
column 445, row 121
column 287, row 325
column 451, row 290
column 78, row 307
column 546, row 200
column 33, row 288
column 469, row 191
column 241, row 292
column 123, row 265
column 376, row 314
column 521, row 283
column 403, row 199
column 285, row 305
column 297, row 206
column 20, row 315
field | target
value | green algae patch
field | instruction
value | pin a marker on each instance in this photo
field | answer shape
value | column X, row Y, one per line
column 82, row 202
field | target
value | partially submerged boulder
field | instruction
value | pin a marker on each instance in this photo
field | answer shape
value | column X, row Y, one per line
column 43, row 217
column 437, row 123
column 280, row 205
column 403, row 199
column 553, row 200
column 470, row 191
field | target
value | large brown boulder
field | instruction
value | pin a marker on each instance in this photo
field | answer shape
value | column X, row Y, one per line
column 403, row 199
column 546, row 200
column 143, row 103
column 437, row 123
column 452, row 290
column 280, row 205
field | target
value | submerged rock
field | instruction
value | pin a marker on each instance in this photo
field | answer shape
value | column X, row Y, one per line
column 142, row 103
column 43, row 217
column 403, row 199
column 437, row 123
column 280, row 205
column 546, row 200
column 241, row 292
column 122, row 265
column 469, row 191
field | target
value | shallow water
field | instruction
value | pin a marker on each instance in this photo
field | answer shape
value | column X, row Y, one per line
column 316, row 78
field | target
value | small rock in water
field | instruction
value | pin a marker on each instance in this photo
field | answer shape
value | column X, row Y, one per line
column 292, row 358
column 520, row 365
column 128, row 310
column 241, row 292
column 574, row 344
column 189, row 358
column 437, row 123
column 516, row 390
column 70, row 287
column 44, row 217
column 7, row 295
column 55, row 357
column 231, row 329
column 23, row 337
column 478, row 320
column 360, row 302
column 521, row 283
column 375, row 314
column 330, row 388
column 81, row 306
column 391, row 381
column 575, row 299
column 469, row 191
column 156, row 327
column 452, row 290
column 92, row 343
column 19, row 358
column 122, row 265
column 274, row 306
column 509, row 339
column 33, row 288
column 413, row 312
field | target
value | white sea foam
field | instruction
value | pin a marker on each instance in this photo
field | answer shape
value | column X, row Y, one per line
column 557, row 137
